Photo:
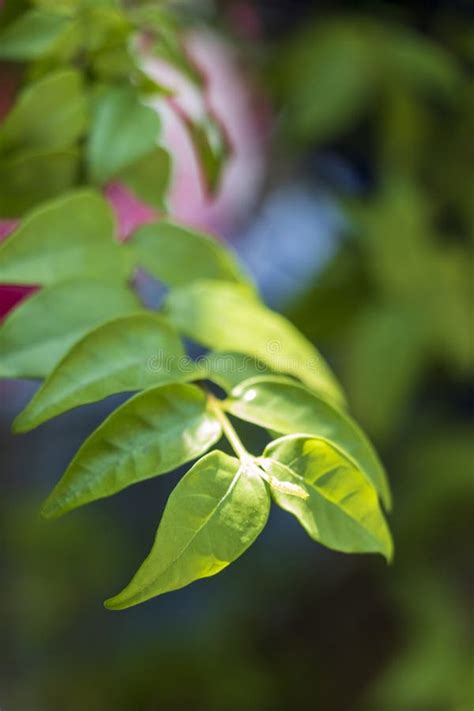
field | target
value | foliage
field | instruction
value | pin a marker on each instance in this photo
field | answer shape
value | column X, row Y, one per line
column 396, row 105
column 88, row 335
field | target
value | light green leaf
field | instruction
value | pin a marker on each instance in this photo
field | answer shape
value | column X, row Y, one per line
column 341, row 510
column 231, row 369
column 33, row 35
column 177, row 255
column 72, row 236
column 37, row 333
column 289, row 408
column 30, row 178
column 129, row 353
column 214, row 514
column 49, row 114
column 152, row 433
column 225, row 317
column 123, row 131
column 149, row 177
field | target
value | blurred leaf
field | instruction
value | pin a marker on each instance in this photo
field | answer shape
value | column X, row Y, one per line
column 37, row 333
column 214, row 514
column 32, row 35
column 72, row 236
column 288, row 408
column 49, row 114
column 177, row 255
column 30, row 178
column 128, row 353
column 326, row 77
column 123, row 131
column 231, row 369
column 341, row 510
column 153, row 433
column 225, row 317
column 387, row 346
column 211, row 147
column 149, row 178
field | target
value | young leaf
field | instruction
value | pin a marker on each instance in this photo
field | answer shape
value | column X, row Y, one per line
column 49, row 114
column 225, row 317
column 38, row 332
column 177, row 255
column 341, row 510
column 123, row 131
column 214, row 514
column 149, row 177
column 152, row 433
column 289, row 408
column 70, row 237
column 33, row 35
column 129, row 353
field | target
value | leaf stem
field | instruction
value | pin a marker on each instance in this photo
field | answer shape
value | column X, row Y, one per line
column 229, row 430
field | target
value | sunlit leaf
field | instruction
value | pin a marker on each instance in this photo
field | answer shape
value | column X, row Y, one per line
column 341, row 510
column 225, row 317
column 152, row 433
column 289, row 408
column 128, row 353
column 38, row 332
column 230, row 369
column 72, row 236
column 177, row 255
column 214, row 514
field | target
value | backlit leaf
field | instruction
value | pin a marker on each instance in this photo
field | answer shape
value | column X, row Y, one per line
column 289, row 408
column 152, row 433
column 341, row 510
column 129, row 353
column 225, row 317
column 214, row 514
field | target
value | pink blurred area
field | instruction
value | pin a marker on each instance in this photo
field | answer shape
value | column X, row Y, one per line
column 243, row 117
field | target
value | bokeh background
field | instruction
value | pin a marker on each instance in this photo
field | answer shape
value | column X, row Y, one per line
column 355, row 131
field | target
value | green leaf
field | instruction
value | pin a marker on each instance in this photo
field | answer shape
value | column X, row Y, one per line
column 33, row 35
column 177, row 255
column 214, row 514
column 152, row 433
column 49, row 114
column 341, row 510
column 38, row 332
column 72, row 236
column 149, row 178
column 326, row 78
column 30, row 178
column 231, row 369
column 225, row 317
column 289, row 408
column 212, row 149
column 129, row 353
column 123, row 131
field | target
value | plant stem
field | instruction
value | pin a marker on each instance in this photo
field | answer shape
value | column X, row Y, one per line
column 229, row 430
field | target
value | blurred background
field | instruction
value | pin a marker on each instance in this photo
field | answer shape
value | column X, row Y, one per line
column 350, row 195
